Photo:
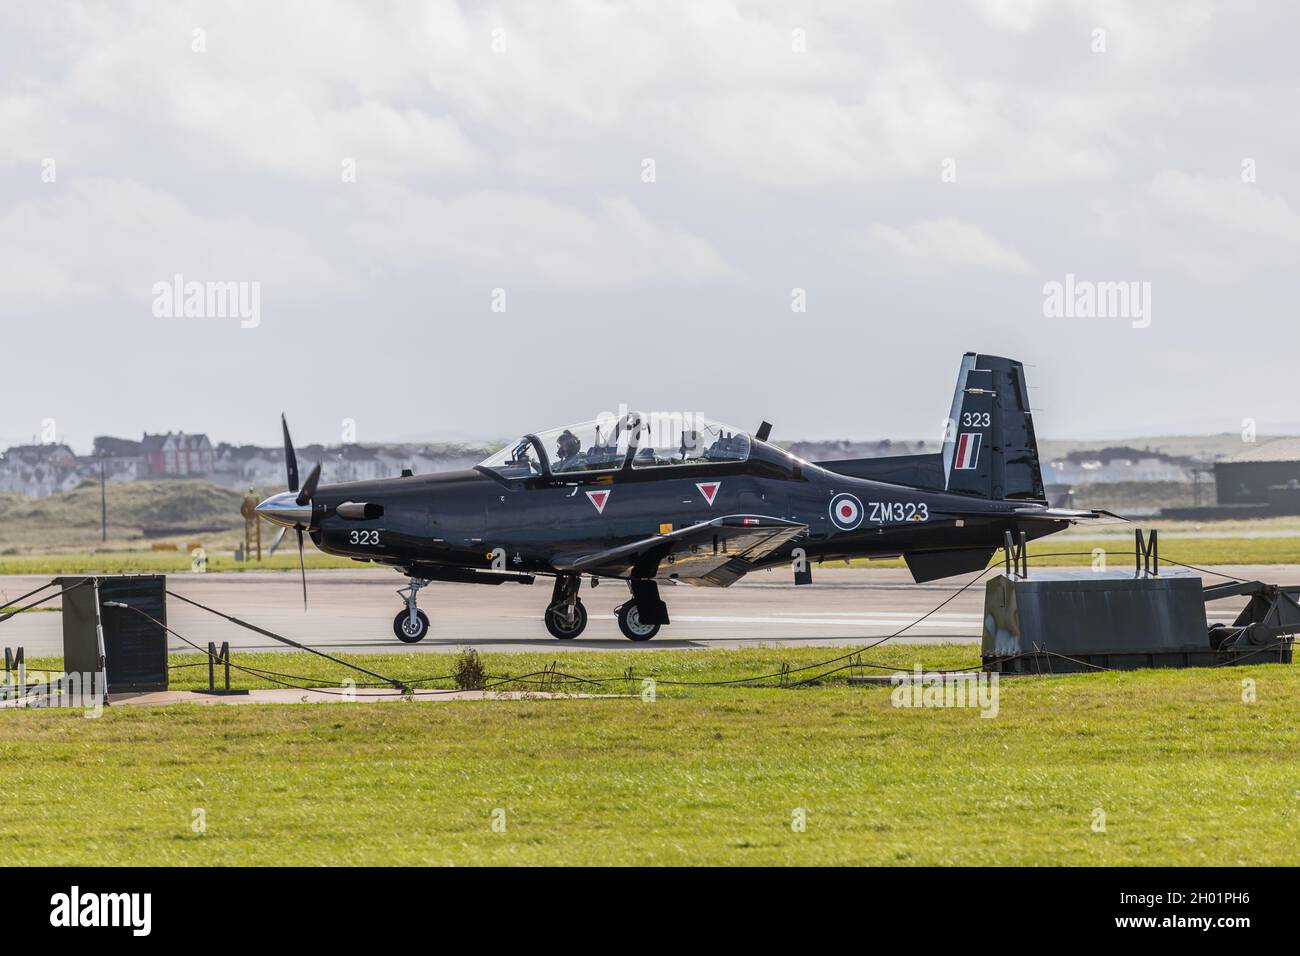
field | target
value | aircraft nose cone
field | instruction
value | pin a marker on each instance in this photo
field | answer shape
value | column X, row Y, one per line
column 283, row 509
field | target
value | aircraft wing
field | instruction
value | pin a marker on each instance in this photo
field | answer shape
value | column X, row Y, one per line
column 713, row 553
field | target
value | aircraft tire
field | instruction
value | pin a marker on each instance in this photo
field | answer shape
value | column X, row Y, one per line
column 402, row 627
column 629, row 622
column 555, row 624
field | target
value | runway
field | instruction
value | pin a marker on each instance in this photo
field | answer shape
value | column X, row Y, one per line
column 354, row 610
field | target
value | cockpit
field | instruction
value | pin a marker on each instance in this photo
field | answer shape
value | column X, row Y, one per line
column 608, row 444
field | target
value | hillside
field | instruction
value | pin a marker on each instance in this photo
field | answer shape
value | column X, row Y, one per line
column 1204, row 447
column 137, row 510
column 1133, row 498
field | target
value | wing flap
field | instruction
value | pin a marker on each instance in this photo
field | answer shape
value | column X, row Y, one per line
column 713, row 553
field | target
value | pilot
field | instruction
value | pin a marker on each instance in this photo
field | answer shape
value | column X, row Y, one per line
column 567, row 446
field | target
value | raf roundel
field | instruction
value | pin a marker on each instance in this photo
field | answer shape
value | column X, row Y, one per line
column 846, row 512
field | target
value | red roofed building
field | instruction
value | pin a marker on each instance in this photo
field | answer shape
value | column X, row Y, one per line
column 176, row 455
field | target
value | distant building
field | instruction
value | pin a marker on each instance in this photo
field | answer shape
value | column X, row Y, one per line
column 176, row 455
column 1096, row 471
column 111, row 447
column 39, row 470
column 245, row 466
column 1262, row 474
column 117, row 459
column 248, row 466
column 1118, row 463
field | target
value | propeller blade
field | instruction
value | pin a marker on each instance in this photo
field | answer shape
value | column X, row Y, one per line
column 302, row 566
column 276, row 543
column 290, row 458
column 309, row 487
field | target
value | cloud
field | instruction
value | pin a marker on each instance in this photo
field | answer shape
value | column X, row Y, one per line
column 97, row 239
column 719, row 88
column 502, row 235
column 940, row 245
column 272, row 88
column 1211, row 229
column 501, row 145
column 1231, row 208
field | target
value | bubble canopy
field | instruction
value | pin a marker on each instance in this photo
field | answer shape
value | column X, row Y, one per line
column 653, row 441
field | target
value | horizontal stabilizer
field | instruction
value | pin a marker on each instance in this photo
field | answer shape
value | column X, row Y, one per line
column 1066, row 514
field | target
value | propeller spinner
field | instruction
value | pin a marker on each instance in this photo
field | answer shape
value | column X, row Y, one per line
column 292, row 508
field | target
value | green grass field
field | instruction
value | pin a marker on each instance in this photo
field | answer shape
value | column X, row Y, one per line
column 159, row 562
column 1068, row 550
column 1184, row 771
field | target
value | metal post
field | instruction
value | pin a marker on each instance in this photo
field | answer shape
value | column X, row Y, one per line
column 14, row 662
column 102, row 662
column 212, row 678
column 1146, row 554
column 1017, row 555
column 103, row 502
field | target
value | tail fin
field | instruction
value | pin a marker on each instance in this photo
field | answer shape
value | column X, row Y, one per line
column 989, row 447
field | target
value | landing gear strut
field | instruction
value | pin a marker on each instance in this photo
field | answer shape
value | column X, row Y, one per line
column 411, row 624
column 565, row 616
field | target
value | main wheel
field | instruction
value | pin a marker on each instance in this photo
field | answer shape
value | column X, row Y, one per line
column 629, row 622
column 409, row 632
column 566, row 630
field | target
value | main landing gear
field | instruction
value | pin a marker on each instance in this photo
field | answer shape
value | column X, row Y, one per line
column 630, row 623
column 639, row 619
column 566, row 617
column 411, row 624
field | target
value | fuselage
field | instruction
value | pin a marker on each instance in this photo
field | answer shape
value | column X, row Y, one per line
column 466, row 519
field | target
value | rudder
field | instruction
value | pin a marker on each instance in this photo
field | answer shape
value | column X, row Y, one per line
column 989, row 445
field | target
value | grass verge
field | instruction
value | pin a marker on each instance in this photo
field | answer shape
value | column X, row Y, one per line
column 1184, row 770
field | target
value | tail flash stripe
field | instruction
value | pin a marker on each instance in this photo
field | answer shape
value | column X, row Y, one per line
column 968, row 450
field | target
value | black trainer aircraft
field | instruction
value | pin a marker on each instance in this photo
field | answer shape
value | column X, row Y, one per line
column 651, row 498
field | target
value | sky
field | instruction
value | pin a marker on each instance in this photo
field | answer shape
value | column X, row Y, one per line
column 429, row 221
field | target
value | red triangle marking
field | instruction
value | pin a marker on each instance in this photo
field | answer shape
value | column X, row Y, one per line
column 709, row 489
column 598, row 498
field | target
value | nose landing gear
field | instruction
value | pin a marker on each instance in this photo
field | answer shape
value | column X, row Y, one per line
column 566, row 617
column 411, row 624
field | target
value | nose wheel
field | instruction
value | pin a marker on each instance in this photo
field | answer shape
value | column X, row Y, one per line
column 566, row 626
column 411, row 624
column 566, row 617
column 410, row 631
